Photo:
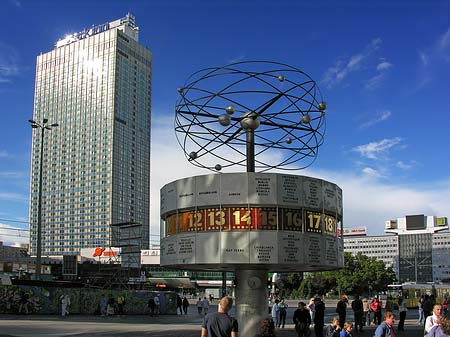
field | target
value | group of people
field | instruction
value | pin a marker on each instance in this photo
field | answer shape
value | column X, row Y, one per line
column 110, row 306
column 202, row 306
column 182, row 305
column 278, row 312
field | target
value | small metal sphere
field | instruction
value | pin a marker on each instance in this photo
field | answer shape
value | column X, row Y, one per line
column 281, row 78
column 322, row 106
column 218, row 167
column 224, row 120
column 180, row 90
column 288, row 140
column 306, row 119
column 230, row 109
column 193, row 155
column 250, row 121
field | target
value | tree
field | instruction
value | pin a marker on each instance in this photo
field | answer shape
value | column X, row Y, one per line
column 359, row 272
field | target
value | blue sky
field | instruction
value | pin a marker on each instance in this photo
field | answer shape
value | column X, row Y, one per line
column 383, row 68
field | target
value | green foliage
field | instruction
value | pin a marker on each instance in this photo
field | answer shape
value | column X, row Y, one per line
column 358, row 273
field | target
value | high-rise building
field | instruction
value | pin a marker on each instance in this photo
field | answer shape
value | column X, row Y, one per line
column 96, row 85
column 417, row 252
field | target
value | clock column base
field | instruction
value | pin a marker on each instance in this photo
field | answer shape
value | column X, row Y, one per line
column 251, row 300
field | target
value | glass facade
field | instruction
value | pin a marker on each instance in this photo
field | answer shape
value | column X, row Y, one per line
column 415, row 258
column 96, row 163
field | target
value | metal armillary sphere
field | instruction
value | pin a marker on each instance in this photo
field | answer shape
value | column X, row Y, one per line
column 258, row 114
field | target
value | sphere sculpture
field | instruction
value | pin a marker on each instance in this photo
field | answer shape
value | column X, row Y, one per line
column 279, row 105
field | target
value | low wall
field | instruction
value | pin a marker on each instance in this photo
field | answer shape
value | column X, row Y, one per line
column 46, row 300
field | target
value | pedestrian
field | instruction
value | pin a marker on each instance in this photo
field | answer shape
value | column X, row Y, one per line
column 220, row 324
column 441, row 330
column 120, row 305
column 312, row 309
column 276, row 313
column 386, row 329
column 402, row 310
column 427, row 306
column 157, row 305
column 110, row 308
column 151, row 305
column 346, row 330
column 282, row 308
column 319, row 316
column 434, row 318
column 65, row 304
column 420, row 311
column 302, row 320
column 375, row 306
column 358, row 312
column 333, row 329
column 185, row 304
column 23, row 302
column 200, row 306
column 205, row 306
column 103, row 305
column 341, row 309
column 179, row 304
column 366, row 309
column 267, row 328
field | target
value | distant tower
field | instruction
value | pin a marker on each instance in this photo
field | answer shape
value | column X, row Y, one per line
column 96, row 84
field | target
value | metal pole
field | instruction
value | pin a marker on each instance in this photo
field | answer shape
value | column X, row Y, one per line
column 250, row 140
column 39, row 221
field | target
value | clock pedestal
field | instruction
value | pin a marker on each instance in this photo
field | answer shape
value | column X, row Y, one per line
column 251, row 300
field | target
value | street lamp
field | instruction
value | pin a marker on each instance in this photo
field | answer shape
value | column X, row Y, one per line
column 43, row 126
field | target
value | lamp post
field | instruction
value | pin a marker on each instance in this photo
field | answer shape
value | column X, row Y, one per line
column 43, row 126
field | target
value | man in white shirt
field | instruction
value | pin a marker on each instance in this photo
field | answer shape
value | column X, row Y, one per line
column 434, row 318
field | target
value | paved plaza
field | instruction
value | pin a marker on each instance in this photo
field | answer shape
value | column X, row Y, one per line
column 140, row 325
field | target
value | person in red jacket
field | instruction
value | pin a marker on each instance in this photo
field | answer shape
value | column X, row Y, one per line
column 376, row 306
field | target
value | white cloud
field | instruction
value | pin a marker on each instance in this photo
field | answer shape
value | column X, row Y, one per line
column 384, row 66
column 368, row 202
column 374, row 150
column 379, row 117
column 370, row 172
column 3, row 154
column 380, row 77
column 405, row 166
column 8, row 63
column 13, row 196
column 335, row 74
column 13, row 236
column 444, row 40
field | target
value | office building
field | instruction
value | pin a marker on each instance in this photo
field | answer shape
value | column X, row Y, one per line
column 96, row 85
column 417, row 251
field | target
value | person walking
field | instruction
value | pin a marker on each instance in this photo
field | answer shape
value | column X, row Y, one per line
column 434, row 318
column 157, row 305
column 386, row 328
column 375, row 306
column 358, row 312
column 65, row 304
column 179, row 304
column 420, row 311
column 333, row 329
column 103, row 305
column 402, row 310
column 312, row 309
column 120, row 305
column 23, row 303
column 302, row 320
column 319, row 316
column 341, row 309
column 282, row 308
column 276, row 313
column 151, row 305
column 220, row 324
column 205, row 306
column 366, row 309
column 200, row 306
column 185, row 305
column 427, row 307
